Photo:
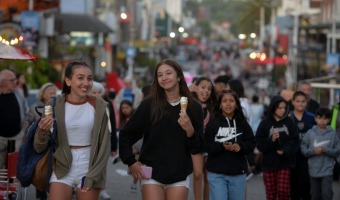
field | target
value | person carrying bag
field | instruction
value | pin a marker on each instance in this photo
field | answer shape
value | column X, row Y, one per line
column 33, row 167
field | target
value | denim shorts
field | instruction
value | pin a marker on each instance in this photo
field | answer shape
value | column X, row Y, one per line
column 185, row 183
column 79, row 168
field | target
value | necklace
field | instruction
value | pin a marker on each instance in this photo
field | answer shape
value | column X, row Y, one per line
column 175, row 100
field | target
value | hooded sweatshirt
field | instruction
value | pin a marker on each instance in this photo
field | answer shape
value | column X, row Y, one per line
column 222, row 129
column 320, row 165
column 287, row 142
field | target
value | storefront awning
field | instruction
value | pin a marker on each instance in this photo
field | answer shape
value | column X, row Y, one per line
column 66, row 23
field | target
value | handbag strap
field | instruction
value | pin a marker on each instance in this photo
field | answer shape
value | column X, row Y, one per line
column 52, row 139
column 55, row 132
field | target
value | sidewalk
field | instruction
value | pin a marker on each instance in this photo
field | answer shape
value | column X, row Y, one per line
column 119, row 182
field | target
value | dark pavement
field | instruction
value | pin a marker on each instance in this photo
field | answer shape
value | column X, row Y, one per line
column 119, row 182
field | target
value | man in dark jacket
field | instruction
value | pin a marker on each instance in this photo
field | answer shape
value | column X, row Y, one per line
column 13, row 108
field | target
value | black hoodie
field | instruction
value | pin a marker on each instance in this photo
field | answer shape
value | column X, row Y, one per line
column 220, row 160
column 288, row 140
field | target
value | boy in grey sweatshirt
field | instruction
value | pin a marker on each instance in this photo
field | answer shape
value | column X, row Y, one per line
column 321, row 145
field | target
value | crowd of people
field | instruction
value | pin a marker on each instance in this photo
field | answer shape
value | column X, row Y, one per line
column 171, row 129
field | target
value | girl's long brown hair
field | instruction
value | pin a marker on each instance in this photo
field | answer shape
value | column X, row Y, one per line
column 158, row 96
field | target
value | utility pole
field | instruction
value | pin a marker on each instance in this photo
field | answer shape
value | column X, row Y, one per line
column 30, row 5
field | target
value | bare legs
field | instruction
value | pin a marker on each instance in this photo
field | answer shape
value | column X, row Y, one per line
column 198, row 162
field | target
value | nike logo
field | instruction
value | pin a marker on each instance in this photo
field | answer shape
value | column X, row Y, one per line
column 321, row 143
column 224, row 139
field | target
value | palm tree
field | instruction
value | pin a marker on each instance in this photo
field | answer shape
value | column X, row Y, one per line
column 248, row 20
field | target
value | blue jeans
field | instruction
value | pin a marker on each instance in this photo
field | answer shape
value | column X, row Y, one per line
column 226, row 187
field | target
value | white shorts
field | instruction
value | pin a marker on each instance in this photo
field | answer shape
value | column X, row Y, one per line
column 79, row 168
column 185, row 183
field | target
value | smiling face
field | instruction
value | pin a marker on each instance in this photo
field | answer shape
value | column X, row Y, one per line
column 80, row 83
column 228, row 105
column 167, row 77
column 299, row 103
column 204, row 89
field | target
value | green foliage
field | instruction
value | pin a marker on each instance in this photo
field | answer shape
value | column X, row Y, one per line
column 243, row 15
column 248, row 20
column 144, row 61
column 36, row 72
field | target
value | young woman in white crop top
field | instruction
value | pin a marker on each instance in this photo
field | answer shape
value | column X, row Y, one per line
column 83, row 144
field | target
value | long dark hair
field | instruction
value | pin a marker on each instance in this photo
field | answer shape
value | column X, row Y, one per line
column 237, row 86
column 24, row 86
column 158, row 96
column 238, row 113
column 69, row 72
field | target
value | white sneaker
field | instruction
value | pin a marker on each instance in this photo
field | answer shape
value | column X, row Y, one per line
column 133, row 187
column 249, row 176
column 103, row 194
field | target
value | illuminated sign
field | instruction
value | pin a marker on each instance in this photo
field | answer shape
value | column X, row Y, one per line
column 9, row 32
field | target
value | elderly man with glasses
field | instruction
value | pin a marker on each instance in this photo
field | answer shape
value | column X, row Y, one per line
column 13, row 108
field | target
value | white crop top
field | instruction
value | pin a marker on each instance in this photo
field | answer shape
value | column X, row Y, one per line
column 79, row 121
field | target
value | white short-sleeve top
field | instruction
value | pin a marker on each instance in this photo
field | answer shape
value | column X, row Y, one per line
column 79, row 121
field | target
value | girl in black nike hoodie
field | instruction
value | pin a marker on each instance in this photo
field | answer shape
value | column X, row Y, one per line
column 277, row 139
column 229, row 138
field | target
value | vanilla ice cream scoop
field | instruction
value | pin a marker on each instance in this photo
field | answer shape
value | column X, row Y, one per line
column 48, row 110
column 184, row 103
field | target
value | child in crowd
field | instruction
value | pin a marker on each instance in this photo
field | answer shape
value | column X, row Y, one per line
column 204, row 92
column 277, row 139
column 321, row 145
column 125, row 112
column 229, row 138
column 304, row 120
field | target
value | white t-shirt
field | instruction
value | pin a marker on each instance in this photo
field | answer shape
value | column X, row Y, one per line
column 79, row 121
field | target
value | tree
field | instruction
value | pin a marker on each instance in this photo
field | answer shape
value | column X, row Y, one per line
column 36, row 72
column 243, row 15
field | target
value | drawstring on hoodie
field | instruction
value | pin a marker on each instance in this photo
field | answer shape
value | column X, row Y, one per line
column 234, row 122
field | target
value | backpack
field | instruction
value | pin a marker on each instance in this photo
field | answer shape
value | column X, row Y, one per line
column 28, row 157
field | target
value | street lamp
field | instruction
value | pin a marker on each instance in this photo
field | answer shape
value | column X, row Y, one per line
column 242, row 36
column 123, row 15
column 172, row 35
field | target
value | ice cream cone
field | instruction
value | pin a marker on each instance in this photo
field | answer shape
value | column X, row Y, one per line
column 48, row 110
column 184, row 103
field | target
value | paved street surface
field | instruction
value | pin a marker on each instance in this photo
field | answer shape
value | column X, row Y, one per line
column 119, row 186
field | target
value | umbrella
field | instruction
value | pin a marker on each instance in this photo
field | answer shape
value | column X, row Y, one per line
column 9, row 52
